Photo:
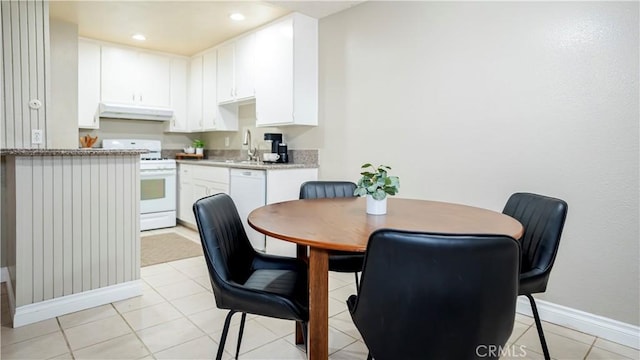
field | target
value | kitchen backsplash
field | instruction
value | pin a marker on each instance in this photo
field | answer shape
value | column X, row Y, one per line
column 308, row 157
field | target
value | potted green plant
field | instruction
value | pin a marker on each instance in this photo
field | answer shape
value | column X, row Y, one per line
column 199, row 145
column 376, row 184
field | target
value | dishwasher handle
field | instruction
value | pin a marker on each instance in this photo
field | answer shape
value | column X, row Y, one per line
column 248, row 173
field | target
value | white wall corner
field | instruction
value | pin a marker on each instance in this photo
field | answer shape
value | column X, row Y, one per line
column 596, row 325
column 5, row 277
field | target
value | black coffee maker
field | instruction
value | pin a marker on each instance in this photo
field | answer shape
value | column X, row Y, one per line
column 277, row 147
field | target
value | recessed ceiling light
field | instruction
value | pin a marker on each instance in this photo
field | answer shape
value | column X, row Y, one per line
column 139, row 37
column 236, row 17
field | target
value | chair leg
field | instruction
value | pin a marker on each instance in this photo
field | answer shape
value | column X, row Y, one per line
column 244, row 316
column 304, row 326
column 357, row 285
column 223, row 337
column 369, row 356
column 536, row 317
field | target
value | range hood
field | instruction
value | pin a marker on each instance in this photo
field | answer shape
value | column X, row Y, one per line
column 124, row 111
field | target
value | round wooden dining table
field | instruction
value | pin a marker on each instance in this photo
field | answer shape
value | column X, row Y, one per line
column 343, row 224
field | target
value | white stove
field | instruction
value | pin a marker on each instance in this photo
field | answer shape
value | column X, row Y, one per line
column 157, row 183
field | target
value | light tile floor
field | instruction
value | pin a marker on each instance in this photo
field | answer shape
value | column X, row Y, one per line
column 176, row 318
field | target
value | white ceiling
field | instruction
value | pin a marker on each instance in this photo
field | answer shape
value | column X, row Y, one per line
column 179, row 27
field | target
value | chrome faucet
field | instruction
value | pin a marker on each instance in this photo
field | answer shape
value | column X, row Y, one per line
column 252, row 154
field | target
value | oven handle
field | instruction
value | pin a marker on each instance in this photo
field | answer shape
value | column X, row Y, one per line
column 147, row 173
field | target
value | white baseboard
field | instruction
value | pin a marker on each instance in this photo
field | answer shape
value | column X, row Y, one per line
column 609, row 329
column 602, row 327
column 49, row 309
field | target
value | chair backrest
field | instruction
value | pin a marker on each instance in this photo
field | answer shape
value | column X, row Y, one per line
column 543, row 220
column 430, row 296
column 226, row 247
column 326, row 189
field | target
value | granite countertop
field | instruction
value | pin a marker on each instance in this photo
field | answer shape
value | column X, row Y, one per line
column 71, row 152
column 244, row 165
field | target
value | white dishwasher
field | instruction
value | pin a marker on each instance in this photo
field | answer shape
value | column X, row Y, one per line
column 248, row 189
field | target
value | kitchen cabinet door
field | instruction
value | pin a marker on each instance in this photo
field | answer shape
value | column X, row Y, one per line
column 200, row 190
column 244, row 67
column 209, row 91
column 154, row 80
column 135, row 77
column 274, row 71
column 178, row 95
column 284, row 185
column 225, row 73
column 118, row 75
column 236, row 70
column 287, row 72
column 195, row 94
column 88, row 84
column 185, row 194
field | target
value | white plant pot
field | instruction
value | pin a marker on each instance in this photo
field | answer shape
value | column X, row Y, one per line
column 376, row 207
column 199, row 151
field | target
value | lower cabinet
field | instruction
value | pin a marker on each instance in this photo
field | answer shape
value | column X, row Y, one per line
column 284, row 185
column 196, row 182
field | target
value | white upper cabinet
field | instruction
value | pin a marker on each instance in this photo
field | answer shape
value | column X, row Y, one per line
column 204, row 112
column 225, row 73
column 286, row 72
column 179, row 82
column 209, row 92
column 244, row 68
column 194, row 112
column 154, row 82
column 88, row 84
column 236, row 70
column 135, row 77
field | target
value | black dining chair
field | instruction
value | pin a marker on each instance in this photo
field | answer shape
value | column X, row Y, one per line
column 432, row 296
column 339, row 261
column 242, row 279
column 543, row 220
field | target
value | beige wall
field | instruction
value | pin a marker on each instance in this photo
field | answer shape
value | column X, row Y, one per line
column 470, row 102
column 63, row 129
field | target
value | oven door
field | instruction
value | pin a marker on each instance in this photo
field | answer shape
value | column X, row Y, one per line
column 157, row 191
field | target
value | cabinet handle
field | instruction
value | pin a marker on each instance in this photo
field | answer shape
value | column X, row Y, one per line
column 140, row 97
column 231, row 93
column 133, row 97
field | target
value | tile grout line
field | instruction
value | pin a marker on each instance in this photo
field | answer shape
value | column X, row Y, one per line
column 64, row 336
column 135, row 333
column 590, row 348
column 524, row 332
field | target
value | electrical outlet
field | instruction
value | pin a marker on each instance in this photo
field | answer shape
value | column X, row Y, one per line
column 36, row 136
column 226, row 141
